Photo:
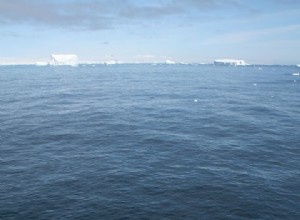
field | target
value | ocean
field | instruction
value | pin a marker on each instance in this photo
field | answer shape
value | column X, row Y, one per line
column 149, row 142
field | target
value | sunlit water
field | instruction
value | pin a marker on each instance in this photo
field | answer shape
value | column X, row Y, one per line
column 149, row 142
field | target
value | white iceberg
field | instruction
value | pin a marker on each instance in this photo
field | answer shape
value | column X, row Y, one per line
column 170, row 62
column 41, row 63
column 110, row 62
column 63, row 60
column 298, row 65
column 230, row 62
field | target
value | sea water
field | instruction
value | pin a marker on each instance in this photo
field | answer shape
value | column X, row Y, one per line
column 149, row 142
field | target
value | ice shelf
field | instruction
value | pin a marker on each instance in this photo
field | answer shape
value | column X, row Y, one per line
column 63, row 60
column 232, row 62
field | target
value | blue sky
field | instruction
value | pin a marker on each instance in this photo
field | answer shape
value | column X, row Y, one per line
column 258, row 31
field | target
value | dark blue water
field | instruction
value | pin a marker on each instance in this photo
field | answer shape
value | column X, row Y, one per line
column 149, row 142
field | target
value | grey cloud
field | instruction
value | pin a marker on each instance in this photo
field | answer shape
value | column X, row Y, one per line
column 97, row 14
column 295, row 2
column 75, row 15
column 149, row 12
column 207, row 4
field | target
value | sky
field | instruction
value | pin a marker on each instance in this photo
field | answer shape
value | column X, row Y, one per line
column 257, row 31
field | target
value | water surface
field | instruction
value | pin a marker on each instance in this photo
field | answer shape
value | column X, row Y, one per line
column 149, row 142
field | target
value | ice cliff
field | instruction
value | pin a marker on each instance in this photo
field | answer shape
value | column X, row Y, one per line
column 63, row 60
column 230, row 62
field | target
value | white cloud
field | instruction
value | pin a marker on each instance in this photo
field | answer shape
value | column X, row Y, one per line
column 245, row 36
column 98, row 14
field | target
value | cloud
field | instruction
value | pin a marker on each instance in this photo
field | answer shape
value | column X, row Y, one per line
column 68, row 14
column 246, row 36
column 206, row 4
column 98, row 14
column 286, row 2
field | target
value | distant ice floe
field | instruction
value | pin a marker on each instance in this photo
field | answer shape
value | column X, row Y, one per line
column 230, row 62
column 295, row 74
column 63, row 60
column 298, row 65
column 41, row 63
column 110, row 62
column 170, row 62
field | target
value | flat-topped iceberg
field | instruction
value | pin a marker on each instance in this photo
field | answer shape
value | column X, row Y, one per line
column 110, row 62
column 230, row 62
column 170, row 62
column 63, row 60
column 41, row 63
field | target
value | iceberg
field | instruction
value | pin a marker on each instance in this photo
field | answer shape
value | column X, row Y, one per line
column 230, row 62
column 110, row 62
column 298, row 65
column 41, row 63
column 63, row 60
column 170, row 62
